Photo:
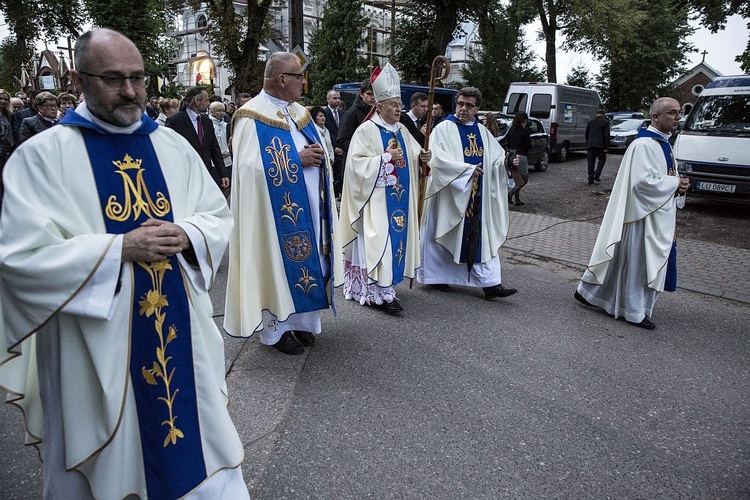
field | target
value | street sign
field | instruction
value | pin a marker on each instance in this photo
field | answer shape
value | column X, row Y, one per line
column 304, row 60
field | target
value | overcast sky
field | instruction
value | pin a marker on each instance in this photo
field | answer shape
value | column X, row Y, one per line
column 722, row 48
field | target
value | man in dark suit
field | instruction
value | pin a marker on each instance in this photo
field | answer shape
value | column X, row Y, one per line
column 333, row 118
column 414, row 120
column 597, row 143
column 192, row 123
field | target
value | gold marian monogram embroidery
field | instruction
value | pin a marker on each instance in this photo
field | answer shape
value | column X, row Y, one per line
column 282, row 165
column 154, row 304
column 473, row 149
column 137, row 197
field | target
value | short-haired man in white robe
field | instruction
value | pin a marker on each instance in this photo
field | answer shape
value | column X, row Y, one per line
column 635, row 254
column 379, row 225
column 282, row 257
column 466, row 211
column 110, row 232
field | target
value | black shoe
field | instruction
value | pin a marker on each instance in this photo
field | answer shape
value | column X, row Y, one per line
column 390, row 307
column 518, row 203
column 490, row 292
column 591, row 181
column 646, row 323
column 597, row 180
column 583, row 301
column 305, row 338
column 440, row 287
column 289, row 345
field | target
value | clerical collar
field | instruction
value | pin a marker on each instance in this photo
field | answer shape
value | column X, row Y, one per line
column 84, row 112
column 276, row 101
column 383, row 124
column 662, row 134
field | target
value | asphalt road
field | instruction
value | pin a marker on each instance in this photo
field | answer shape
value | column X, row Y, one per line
column 533, row 396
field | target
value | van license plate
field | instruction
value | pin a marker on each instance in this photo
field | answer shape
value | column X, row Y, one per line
column 712, row 186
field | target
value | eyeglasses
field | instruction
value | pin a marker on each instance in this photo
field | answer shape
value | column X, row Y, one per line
column 299, row 76
column 115, row 81
column 49, row 106
column 467, row 105
column 673, row 113
column 394, row 104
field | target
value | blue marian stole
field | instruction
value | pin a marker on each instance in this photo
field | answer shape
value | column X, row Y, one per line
column 132, row 189
column 670, row 282
column 473, row 149
column 397, row 204
column 291, row 211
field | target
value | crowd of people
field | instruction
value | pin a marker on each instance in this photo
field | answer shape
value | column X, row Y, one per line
column 117, row 362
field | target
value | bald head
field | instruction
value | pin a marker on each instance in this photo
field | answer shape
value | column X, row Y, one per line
column 665, row 114
column 88, row 44
column 109, row 71
column 283, row 77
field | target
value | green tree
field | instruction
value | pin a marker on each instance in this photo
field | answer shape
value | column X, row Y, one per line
column 335, row 45
column 33, row 20
column 236, row 36
column 425, row 29
column 503, row 56
column 714, row 14
column 642, row 43
column 579, row 76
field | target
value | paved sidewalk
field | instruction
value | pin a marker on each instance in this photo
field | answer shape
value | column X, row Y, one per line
column 718, row 270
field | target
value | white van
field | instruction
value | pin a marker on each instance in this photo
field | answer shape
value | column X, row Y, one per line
column 713, row 148
column 563, row 109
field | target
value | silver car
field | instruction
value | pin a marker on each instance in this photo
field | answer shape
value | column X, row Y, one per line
column 623, row 131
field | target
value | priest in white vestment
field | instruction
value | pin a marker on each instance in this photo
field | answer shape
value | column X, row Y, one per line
column 635, row 254
column 465, row 220
column 379, row 228
column 283, row 261
column 110, row 234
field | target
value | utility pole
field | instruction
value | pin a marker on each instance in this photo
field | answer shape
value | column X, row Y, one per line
column 296, row 25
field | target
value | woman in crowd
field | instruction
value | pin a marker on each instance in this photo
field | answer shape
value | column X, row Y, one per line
column 47, row 105
column 518, row 140
column 319, row 117
column 216, row 112
column 67, row 101
column 167, row 107
column 491, row 123
column 6, row 131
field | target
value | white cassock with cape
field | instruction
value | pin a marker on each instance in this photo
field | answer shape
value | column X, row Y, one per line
column 628, row 265
column 259, row 297
column 447, row 197
column 364, row 213
column 67, row 321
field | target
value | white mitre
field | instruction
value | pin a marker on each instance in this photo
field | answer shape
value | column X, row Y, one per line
column 386, row 84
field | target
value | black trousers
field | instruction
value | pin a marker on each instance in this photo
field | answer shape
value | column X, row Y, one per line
column 593, row 155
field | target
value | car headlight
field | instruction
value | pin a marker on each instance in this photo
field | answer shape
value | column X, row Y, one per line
column 683, row 166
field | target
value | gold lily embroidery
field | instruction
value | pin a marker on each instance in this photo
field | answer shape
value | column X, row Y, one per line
column 400, row 252
column 473, row 149
column 153, row 304
column 398, row 190
column 307, row 281
column 137, row 198
column 291, row 208
column 282, row 165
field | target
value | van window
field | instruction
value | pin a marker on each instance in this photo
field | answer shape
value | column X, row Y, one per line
column 517, row 102
column 724, row 114
column 541, row 105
